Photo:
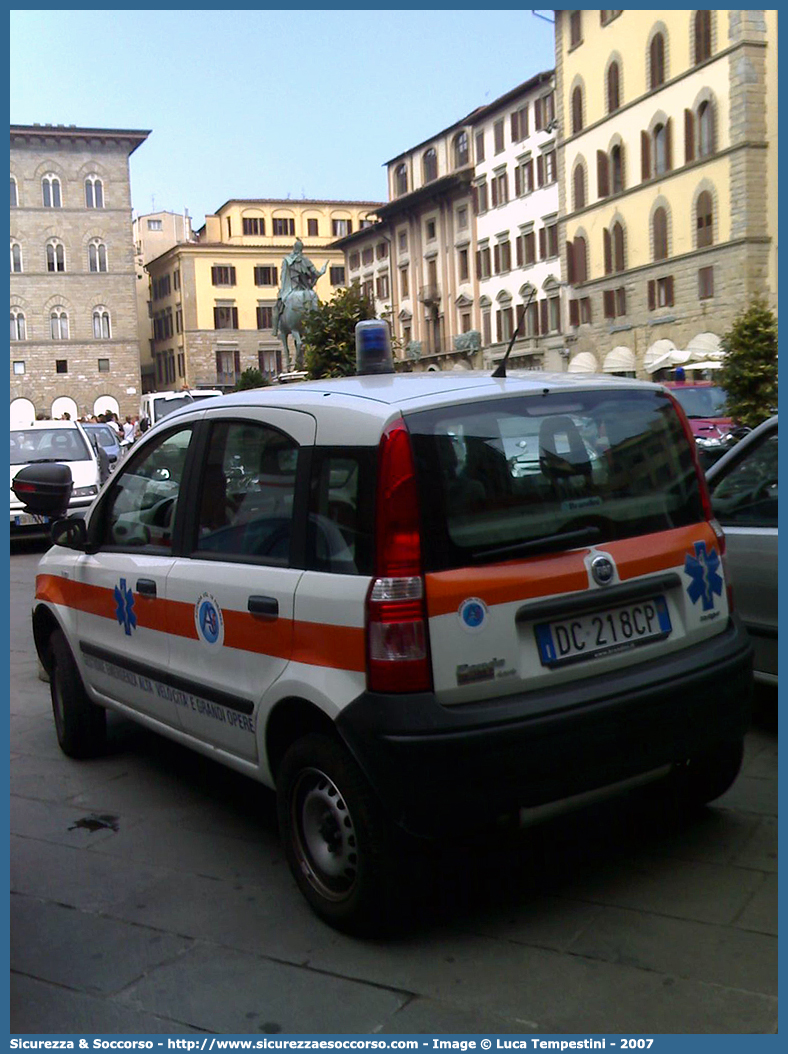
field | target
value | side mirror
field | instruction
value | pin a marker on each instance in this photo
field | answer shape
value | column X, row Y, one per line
column 44, row 489
column 71, row 533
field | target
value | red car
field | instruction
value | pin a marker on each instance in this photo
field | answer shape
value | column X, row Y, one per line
column 704, row 404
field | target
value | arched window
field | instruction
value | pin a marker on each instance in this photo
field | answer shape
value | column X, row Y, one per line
column 97, row 255
column 101, row 325
column 461, row 150
column 580, row 254
column 617, row 240
column 702, row 36
column 429, row 165
column 704, row 215
column 579, row 183
column 613, row 88
column 401, row 180
column 705, row 129
column 94, row 193
column 50, row 191
column 577, row 110
column 16, row 257
column 659, row 226
column 657, row 61
column 617, row 168
column 14, row 193
column 18, row 325
column 660, row 150
column 56, row 255
column 58, row 324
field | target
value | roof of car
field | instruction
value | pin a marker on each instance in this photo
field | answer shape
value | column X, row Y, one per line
column 44, row 424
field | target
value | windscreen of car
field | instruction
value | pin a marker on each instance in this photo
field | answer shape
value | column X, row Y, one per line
column 104, row 436
column 31, row 445
column 162, row 407
column 528, row 474
column 701, row 402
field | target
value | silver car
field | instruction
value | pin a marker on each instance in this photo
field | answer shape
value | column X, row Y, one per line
column 743, row 487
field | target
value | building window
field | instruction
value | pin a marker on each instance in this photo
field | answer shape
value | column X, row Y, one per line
column 614, row 302
column 526, row 249
column 617, row 168
column 479, row 146
column 228, row 367
column 97, row 256
column 480, row 198
column 617, row 239
column 660, row 150
column 368, row 256
column 312, row 227
column 544, row 111
column 58, row 326
column 401, row 180
column 462, row 218
column 19, row 367
column 463, row 273
column 548, row 241
column 265, row 317
column 702, row 36
column 14, row 193
column 368, row 290
column 704, row 213
column 545, row 168
column 577, row 260
column 178, row 320
column 354, row 261
column 253, row 225
column 382, row 287
column 499, row 186
column 16, row 258
column 403, row 282
column 483, row 262
column 656, row 151
column 579, row 186
column 56, row 256
column 382, row 250
column 262, row 276
column 155, row 225
column 519, row 122
column 283, row 226
column 659, row 226
column 223, row 275
column 430, row 230
column 660, row 293
column 554, row 314
column 225, row 317
column 341, row 228
column 498, row 136
column 502, row 257
column 657, row 61
column 50, row 190
column 577, row 110
column 103, row 365
column 575, row 28
column 580, row 311
column 613, row 88
column 101, row 326
column 61, row 365
column 705, row 129
column 524, row 178
column 606, row 17
column 705, row 283
column 336, row 274
column 461, row 150
column 504, row 324
column 94, row 193
column 402, row 242
column 429, row 165
column 18, row 325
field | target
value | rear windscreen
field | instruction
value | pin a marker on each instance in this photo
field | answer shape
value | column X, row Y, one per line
column 522, row 475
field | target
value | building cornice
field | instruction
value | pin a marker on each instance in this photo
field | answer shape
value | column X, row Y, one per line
column 436, row 188
column 25, row 134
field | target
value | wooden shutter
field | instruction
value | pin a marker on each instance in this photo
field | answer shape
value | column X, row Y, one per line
column 542, row 243
column 515, row 127
column 540, row 170
column 518, row 182
column 689, row 136
column 544, row 324
column 607, row 251
column 669, row 290
column 494, row 192
column 213, row 276
column 478, row 263
column 668, row 145
column 609, row 303
column 652, row 295
column 645, row 157
column 505, row 188
column 570, row 263
column 497, row 258
column 475, row 200
column 574, row 313
column 537, row 114
column 602, row 174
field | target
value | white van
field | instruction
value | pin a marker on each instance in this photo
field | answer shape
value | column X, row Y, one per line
column 155, row 405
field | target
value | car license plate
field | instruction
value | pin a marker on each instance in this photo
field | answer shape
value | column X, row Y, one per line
column 25, row 519
column 602, row 632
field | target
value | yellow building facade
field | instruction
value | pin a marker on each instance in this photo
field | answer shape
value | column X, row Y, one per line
column 212, row 300
column 667, row 167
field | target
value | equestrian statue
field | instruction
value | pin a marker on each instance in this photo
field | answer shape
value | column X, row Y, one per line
column 296, row 296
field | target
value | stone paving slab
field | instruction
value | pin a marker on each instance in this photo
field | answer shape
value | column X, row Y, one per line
column 761, row 912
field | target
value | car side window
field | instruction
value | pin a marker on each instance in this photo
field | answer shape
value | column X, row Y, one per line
column 340, row 525
column 246, row 492
column 746, row 496
column 141, row 506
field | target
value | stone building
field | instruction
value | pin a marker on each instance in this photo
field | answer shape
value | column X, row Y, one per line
column 212, row 299
column 74, row 340
column 153, row 234
column 667, row 169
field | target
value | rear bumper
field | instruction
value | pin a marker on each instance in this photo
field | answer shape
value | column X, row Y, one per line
column 440, row 769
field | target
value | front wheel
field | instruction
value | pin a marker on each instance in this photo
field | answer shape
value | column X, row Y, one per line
column 337, row 841
column 81, row 726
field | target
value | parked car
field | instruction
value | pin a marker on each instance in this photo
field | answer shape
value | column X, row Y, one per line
column 346, row 590
column 704, row 404
column 743, row 487
column 46, row 442
column 109, row 440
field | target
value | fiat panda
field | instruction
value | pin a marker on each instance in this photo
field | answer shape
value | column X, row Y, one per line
column 412, row 604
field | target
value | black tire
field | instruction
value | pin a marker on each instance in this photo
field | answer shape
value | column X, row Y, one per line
column 81, row 725
column 338, row 843
column 706, row 776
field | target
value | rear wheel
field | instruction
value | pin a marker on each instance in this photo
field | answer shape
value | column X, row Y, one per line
column 337, row 841
column 81, row 726
column 706, row 776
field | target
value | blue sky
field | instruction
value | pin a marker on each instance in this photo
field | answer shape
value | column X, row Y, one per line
column 267, row 103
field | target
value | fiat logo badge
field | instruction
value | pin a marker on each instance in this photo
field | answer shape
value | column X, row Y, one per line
column 603, row 570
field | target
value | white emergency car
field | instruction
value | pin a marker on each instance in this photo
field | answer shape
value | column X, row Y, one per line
column 412, row 604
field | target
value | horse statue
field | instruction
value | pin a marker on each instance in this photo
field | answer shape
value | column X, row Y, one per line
column 296, row 297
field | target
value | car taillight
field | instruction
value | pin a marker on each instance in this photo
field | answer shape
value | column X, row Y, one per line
column 397, row 635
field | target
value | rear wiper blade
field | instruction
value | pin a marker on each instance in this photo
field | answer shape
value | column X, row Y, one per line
column 545, row 544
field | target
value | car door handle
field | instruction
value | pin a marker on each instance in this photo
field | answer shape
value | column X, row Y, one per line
column 267, row 606
column 146, row 587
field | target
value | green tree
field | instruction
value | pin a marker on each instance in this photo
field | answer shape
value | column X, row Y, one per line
column 329, row 334
column 749, row 373
column 251, row 378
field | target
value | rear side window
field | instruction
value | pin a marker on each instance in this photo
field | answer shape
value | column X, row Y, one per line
column 341, row 510
column 527, row 474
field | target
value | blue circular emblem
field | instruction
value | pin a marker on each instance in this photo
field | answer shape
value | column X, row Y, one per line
column 472, row 614
column 208, row 620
